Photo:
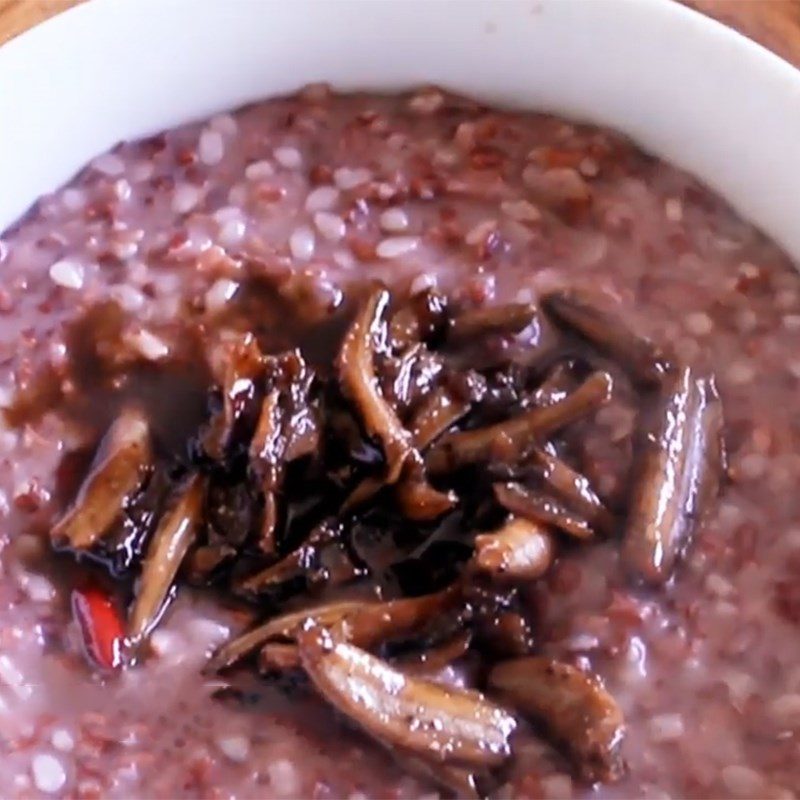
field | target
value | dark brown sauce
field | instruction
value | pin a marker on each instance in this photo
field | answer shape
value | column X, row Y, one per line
column 175, row 396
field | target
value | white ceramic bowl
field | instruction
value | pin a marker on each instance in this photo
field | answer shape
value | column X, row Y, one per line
column 683, row 86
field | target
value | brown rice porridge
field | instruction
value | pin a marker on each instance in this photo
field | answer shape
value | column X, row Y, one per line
column 325, row 192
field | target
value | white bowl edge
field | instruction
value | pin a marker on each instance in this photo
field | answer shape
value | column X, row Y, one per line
column 684, row 87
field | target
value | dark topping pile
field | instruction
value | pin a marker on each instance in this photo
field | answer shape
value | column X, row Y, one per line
column 383, row 517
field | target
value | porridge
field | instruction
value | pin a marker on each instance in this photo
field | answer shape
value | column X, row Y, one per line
column 212, row 307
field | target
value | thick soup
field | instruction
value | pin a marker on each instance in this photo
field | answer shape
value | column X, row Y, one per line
column 360, row 446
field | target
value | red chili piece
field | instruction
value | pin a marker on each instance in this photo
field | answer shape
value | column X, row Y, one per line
column 101, row 626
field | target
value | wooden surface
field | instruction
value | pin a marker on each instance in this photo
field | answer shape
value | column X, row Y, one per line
column 19, row 15
column 774, row 23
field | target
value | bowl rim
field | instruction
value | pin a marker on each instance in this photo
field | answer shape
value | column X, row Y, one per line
column 683, row 85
